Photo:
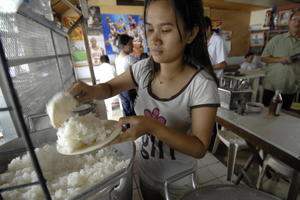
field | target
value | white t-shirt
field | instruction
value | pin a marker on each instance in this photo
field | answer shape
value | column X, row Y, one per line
column 217, row 52
column 248, row 66
column 105, row 72
column 123, row 63
column 157, row 160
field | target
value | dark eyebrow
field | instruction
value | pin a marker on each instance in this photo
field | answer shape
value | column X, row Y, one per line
column 162, row 24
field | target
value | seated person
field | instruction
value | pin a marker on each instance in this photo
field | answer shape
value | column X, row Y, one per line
column 248, row 64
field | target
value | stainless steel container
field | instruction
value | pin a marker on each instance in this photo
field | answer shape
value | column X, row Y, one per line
column 84, row 109
column 235, row 83
column 230, row 99
column 116, row 186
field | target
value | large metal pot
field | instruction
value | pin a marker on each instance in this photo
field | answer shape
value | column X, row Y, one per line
column 116, row 186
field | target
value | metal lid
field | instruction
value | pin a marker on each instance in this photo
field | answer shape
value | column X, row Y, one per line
column 83, row 109
column 228, row 192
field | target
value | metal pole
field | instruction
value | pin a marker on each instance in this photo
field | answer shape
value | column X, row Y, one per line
column 72, row 60
column 84, row 9
column 8, row 87
column 57, row 61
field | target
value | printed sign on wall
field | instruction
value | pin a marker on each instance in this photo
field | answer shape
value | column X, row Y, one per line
column 133, row 25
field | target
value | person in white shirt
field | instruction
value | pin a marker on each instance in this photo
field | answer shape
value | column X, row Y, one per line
column 105, row 72
column 122, row 62
column 216, row 49
column 217, row 54
column 248, row 64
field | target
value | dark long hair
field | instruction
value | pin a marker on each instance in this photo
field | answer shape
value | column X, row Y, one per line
column 192, row 14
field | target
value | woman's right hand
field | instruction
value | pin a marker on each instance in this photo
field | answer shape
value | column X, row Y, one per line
column 82, row 92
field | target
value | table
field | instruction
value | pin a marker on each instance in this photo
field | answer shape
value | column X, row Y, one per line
column 277, row 136
column 251, row 74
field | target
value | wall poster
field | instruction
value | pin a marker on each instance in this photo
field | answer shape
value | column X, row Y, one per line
column 133, row 25
column 76, row 42
column 95, row 38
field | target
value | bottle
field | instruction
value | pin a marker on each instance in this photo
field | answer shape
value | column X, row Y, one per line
column 276, row 103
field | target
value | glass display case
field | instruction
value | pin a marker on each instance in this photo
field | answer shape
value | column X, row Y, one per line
column 35, row 63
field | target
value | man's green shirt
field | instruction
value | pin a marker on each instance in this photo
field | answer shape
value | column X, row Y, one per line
column 280, row 76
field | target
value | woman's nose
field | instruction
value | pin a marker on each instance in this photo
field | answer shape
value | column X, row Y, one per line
column 155, row 38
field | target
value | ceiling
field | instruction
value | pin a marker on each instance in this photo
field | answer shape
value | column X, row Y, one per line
column 247, row 5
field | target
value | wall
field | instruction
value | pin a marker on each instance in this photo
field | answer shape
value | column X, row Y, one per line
column 238, row 22
column 258, row 16
column 234, row 20
column 110, row 7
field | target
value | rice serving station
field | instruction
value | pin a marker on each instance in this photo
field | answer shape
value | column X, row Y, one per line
column 35, row 64
column 117, row 185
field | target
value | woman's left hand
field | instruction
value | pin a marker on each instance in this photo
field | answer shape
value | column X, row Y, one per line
column 139, row 125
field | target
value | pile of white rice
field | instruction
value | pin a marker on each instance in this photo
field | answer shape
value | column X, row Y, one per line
column 65, row 175
column 60, row 107
column 82, row 131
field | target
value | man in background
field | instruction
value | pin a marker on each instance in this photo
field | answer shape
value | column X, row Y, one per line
column 218, row 54
column 216, row 49
column 105, row 72
column 283, row 72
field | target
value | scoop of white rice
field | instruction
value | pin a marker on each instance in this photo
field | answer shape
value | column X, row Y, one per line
column 60, row 107
column 81, row 131
column 66, row 175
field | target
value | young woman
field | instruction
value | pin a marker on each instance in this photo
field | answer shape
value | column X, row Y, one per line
column 122, row 62
column 177, row 96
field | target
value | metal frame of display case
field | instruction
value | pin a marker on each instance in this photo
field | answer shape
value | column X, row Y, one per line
column 10, row 93
column 82, row 21
column 13, row 102
column 19, row 122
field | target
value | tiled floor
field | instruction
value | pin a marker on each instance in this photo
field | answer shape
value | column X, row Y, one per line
column 273, row 185
column 212, row 170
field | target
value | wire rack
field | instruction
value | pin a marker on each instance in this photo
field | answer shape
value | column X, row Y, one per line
column 35, row 64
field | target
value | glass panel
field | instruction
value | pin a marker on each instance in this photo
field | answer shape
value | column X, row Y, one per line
column 66, row 67
column 61, row 44
column 23, row 38
column 2, row 100
column 69, row 82
column 36, row 83
column 7, row 127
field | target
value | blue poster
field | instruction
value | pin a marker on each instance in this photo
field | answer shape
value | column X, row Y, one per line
column 132, row 25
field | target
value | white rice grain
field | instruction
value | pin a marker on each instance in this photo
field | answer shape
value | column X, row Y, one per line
column 66, row 175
